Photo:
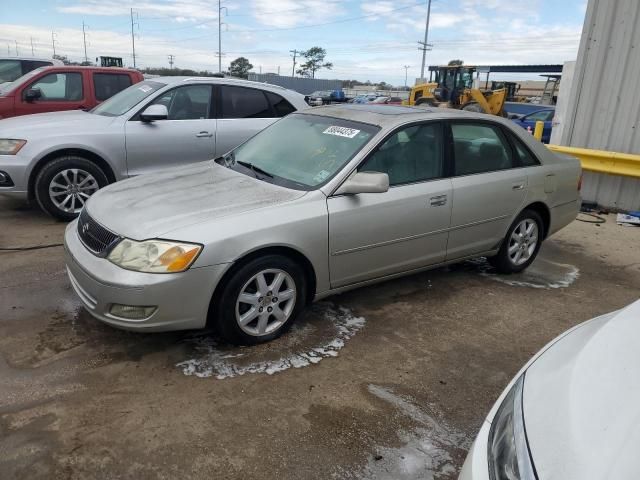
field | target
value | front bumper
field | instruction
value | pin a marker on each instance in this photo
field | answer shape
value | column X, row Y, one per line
column 476, row 465
column 16, row 167
column 181, row 299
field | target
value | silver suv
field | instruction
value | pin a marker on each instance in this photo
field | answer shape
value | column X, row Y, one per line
column 60, row 159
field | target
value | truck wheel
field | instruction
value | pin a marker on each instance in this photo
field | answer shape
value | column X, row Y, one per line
column 260, row 301
column 64, row 184
column 426, row 101
column 472, row 107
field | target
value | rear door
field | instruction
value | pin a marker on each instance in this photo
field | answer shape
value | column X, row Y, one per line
column 489, row 187
column 376, row 234
column 187, row 136
column 59, row 90
column 245, row 111
column 107, row 84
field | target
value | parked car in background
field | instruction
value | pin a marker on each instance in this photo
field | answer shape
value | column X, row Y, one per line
column 323, row 201
column 12, row 68
column 528, row 122
column 361, row 99
column 325, row 97
column 387, row 100
column 571, row 412
column 52, row 89
column 518, row 109
column 60, row 159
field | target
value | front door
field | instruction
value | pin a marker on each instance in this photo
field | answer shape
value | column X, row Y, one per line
column 376, row 234
column 187, row 136
column 244, row 112
column 488, row 189
column 59, row 91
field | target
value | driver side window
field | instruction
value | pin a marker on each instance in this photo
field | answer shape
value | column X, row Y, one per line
column 63, row 86
column 191, row 102
column 413, row 154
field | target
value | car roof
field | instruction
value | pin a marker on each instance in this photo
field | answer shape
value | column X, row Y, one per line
column 221, row 80
column 77, row 68
column 391, row 115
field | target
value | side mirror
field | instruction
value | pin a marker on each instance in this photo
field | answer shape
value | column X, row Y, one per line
column 154, row 112
column 365, row 182
column 32, row 94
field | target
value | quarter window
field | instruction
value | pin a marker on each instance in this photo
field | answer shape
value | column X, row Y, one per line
column 413, row 154
column 65, row 86
column 525, row 157
column 191, row 102
column 280, row 106
column 479, row 148
column 240, row 102
column 106, row 85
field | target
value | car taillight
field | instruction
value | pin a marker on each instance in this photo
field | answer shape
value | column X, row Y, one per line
column 580, row 182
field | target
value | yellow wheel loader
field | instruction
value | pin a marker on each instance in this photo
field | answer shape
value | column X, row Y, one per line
column 452, row 87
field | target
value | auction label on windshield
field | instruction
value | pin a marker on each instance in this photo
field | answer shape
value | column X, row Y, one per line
column 341, row 131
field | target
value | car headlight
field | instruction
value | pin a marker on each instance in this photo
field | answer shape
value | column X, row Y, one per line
column 11, row 146
column 508, row 450
column 154, row 256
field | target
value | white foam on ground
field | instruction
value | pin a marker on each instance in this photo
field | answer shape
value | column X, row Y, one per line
column 540, row 274
column 216, row 361
column 426, row 450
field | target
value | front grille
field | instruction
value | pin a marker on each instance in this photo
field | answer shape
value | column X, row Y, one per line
column 94, row 236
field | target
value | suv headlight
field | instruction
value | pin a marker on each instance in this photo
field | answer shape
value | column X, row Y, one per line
column 11, row 146
column 154, row 256
column 508, row 450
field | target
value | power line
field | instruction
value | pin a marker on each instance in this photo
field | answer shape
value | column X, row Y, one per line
column 84, row 38
column 425, row 44
column 171, row 57
column 293, row 68
column 133, row 39
column 53, row 42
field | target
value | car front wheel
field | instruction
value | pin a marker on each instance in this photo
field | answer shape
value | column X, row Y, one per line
column 521, row 244
column 63, row 185
column 261, row 300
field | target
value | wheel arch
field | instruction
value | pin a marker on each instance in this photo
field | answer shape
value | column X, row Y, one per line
column 543, row 210
column 61, row 152
column 284, row 250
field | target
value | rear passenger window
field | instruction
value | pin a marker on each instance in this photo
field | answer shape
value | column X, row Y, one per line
column 240, row 102
column 479, row 148
column 106, row 85
column 280, row 106
column 525, row 157
column 413, row 154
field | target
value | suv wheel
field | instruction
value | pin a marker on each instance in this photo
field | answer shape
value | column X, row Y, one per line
column 261, row 300
column 63, row 185
column 521, row 245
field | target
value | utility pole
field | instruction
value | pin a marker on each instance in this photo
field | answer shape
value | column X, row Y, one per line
column 171, row 57
column 133, row 38
column 220, row 22
column 260, row 69
column 278, row 69
column 84, row 38
column 53, row 42
column 425, row 45
column 16, row 47
column 8, row 50
column 406, row 69
column 293, row 69
column 32, row 54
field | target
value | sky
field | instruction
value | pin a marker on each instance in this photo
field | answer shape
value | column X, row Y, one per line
column 364, row 39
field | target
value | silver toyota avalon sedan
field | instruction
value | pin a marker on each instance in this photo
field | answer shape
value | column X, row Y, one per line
column 320, row 202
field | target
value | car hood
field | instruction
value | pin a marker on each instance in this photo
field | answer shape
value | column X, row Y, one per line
column 42, row 123
column 581, row 401
column 156, row 205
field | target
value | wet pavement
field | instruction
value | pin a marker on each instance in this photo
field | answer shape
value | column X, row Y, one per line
column 386, row 382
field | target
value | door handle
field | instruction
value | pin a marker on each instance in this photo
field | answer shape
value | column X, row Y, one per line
column 204, row 134
column 438, row 201
column 517, row 186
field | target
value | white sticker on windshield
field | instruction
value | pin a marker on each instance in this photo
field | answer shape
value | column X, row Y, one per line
column 145, row 88
column 321, row 176
column 341, row 131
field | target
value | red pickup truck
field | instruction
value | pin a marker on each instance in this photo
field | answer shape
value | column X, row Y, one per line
column 51, row 89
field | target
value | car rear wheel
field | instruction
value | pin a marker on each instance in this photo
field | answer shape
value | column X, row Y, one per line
column 521, row 245
column 63, row 185
column 261, row 300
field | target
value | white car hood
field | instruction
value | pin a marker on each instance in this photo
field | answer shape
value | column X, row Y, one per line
column 582, row 402
column 39, row 124
column 151, row 206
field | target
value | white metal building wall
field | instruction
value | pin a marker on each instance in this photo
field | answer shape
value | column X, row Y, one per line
column 604, row 105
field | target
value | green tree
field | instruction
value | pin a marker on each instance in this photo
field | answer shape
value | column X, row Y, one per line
column 455, row 63
column 240, row 68
column 314, row 61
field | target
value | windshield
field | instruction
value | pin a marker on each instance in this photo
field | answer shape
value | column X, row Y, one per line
column 6, row 87
column 301, row 151
column 128, row 98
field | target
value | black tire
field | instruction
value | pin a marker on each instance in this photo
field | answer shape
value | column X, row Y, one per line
column 472, row 107
column 502, row 262
column 51, row 169
column 224, row 308
column 430, row 102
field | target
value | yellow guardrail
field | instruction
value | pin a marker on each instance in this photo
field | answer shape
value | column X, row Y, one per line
column 600, row 161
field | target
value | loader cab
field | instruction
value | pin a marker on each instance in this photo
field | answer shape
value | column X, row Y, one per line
column 452, row 82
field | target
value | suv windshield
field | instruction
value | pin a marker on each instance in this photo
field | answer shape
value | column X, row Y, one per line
column 128, row 98
column 301, row 151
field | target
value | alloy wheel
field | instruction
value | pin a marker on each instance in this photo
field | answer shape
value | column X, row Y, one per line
column 265, row 302
column 523, row 241
column 71, row 188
